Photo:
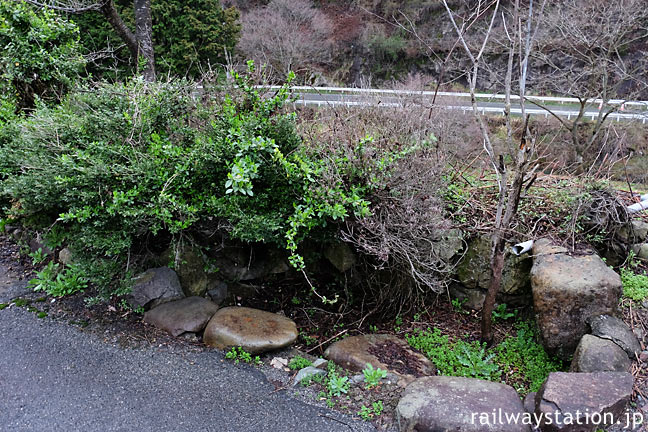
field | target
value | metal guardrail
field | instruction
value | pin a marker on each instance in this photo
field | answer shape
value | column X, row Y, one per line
column 495, row 110
column 343, row 90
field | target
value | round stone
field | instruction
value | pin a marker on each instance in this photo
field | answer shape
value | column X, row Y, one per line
column 254, row 330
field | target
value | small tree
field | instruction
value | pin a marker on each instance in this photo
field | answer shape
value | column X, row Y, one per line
column 520, row 32
column 39, row 54
column 139, row 42
column 592, row 49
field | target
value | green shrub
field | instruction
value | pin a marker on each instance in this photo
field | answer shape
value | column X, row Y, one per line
column 524, row 359
column 118, row 165
column 39, row 54
column 191, row 37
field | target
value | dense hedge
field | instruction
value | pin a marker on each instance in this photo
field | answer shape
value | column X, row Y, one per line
column 39, row 55
column 116, row 165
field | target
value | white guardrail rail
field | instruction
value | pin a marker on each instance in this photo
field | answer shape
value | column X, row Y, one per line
column 555, row 99
column 591, row 114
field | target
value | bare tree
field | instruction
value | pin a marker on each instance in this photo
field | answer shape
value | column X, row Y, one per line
column 520, row 32
column 139, row 43
column 287, row 35
column 595, row 51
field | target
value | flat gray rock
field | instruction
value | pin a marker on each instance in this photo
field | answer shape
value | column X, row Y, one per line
column 612, row 328
column 594, row 354
column 445, row 403
column 189, row 314
column 254, row 330
column 583, row 398
column 154, row 287
column 567, row 290
column 306, row 372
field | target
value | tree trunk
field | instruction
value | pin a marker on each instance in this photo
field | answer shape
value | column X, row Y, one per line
column 144, row 36
column 496, row 269
column 112, row 16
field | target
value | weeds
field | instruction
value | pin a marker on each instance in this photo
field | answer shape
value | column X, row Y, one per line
column 299, row 362
column 238, row 354
column 635, row 285
column 373, row 376
column 524, row 359
column 460, row 358
column 58, row 284
column 38, row 256
column 367, row 413
column 501, row 314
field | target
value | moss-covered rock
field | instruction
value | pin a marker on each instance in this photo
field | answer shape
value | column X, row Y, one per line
column 473, row 270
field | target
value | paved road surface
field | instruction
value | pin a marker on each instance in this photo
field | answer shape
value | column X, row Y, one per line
column 54, row 377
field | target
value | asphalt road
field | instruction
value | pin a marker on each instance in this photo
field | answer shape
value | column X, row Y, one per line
column 55, row 377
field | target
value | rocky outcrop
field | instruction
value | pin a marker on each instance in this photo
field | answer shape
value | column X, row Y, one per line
column 582, row 402
column 190, row 314
column 254, row 330
column 382, row 351
column 567, row 290
column 249, row 263
column 612, row 328
column 154, row 287
column 594, row 354
column 445, row 403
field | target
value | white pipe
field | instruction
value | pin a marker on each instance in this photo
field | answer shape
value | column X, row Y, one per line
column 523, row 247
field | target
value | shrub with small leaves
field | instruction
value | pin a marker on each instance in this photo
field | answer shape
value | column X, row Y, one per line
column 39, row 54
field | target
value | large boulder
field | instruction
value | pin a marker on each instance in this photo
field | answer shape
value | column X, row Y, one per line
column 594, row 354
column 445, row 403
column 582, row 402
column 254, row 330
column 381, row 351
column 612, row 328
column 190, row 314
column 567, row 290
column 473, row 271
column 154, row 287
